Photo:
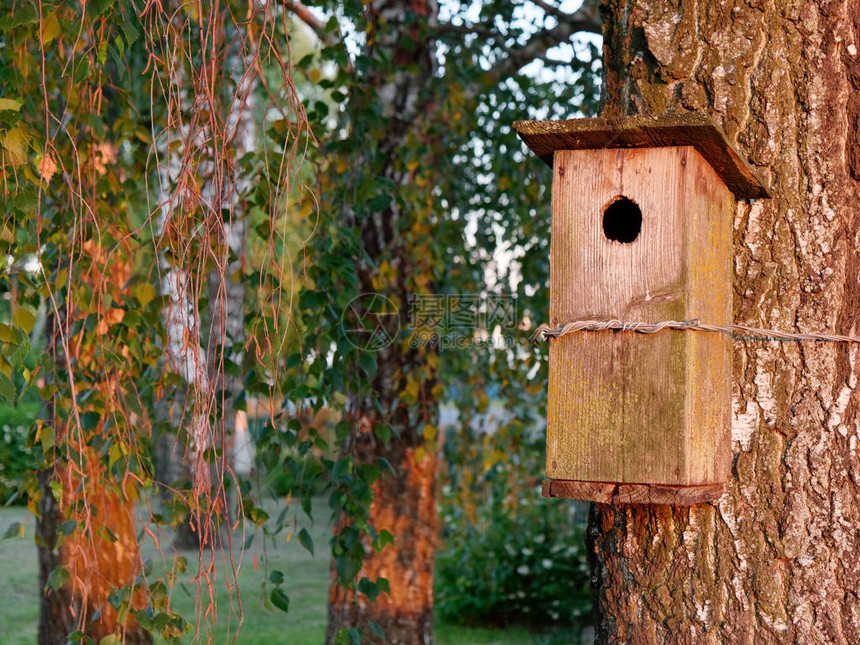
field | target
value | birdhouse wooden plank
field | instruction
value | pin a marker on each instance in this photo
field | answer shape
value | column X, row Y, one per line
column 642, row 213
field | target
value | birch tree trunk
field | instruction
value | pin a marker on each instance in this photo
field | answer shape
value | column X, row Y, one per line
column 227, row 285
column 775, row 559
column 204, row 366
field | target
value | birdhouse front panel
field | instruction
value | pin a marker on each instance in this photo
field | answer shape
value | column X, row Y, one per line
column 639, row 235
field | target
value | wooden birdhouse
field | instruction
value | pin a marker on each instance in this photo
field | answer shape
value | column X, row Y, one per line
column 642, row 211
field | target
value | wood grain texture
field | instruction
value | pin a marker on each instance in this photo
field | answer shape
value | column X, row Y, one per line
column 633, row 408
column 614, row 493
column 647, row 131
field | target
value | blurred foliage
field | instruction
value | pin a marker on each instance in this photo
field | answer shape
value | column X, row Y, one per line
column 465, row 212
column 508, row 555
column 18, row 459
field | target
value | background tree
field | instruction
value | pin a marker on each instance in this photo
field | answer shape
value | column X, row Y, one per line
column 417, row 199
column 773, row 560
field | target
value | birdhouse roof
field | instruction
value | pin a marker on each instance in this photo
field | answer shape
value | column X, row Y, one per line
column 644, row 131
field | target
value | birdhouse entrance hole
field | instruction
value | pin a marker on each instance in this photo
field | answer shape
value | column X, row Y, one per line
column 622, row 220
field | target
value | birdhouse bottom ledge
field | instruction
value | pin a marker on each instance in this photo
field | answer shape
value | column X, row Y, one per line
column 610, row 492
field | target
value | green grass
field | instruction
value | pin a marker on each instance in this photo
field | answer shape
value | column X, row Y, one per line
column 306, row 582
column 19, row 611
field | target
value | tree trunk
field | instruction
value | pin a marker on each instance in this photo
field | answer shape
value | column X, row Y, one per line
column 96, row 565
column 227, row 289
column 55, row 618
column 223, row 184
column 404, row 502
column 404, row 505
column 775, row 559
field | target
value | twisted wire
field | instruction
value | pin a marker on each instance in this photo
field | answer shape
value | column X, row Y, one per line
column 737, row 332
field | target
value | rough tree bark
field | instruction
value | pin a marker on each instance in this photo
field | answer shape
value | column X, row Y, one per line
column 775, row 559
column 55, row 620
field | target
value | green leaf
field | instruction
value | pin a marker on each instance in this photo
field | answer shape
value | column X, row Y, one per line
column 369, row 589
column 380, row 203
column 24, row 319
column 67, row 527
column 48, row 437
column 280, row 600
column 342, row 430
column 57, row 578
column 306, row 541
column 7, row 389
column 384, row 462
column 82, row 70
column 96, row 8
column 7, row 335
column 376, row 629
column 15, row 141
column 13, row 530
column 385, row 537
column 50, row 28
column 9, row 104
column 354, row 635
column 129, row 29
column 347, row 567
column 368, row 363
column 369, row 472
column 90, row 420
column 276, row 577
column 383, row 432
column 257, row 515
column 23, row 15
column 132, row 400
column 145, row 293
column 114, row 455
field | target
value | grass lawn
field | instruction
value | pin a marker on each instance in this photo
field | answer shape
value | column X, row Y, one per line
column 306, row 583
